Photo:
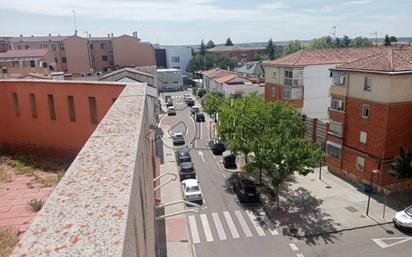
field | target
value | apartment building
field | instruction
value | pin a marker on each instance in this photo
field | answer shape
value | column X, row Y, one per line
column 240, row 53
column 78, row 55
column 105, row 203
column 371, row 117
column 303, row 78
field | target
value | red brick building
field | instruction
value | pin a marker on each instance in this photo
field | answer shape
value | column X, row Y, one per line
column 241, row 53
column 371, row 117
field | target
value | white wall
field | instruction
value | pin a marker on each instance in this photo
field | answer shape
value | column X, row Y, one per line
column 183, row 52
column 171, row 79
column 317, row 81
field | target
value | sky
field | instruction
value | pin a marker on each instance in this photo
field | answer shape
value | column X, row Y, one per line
column 183, row 22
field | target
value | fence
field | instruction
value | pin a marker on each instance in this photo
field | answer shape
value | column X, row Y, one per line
column 316, row 130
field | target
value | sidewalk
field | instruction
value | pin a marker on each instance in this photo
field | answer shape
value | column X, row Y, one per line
column 173, row 239
column 314, row 207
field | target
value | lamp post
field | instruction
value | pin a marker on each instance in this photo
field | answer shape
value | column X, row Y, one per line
column 374, row 171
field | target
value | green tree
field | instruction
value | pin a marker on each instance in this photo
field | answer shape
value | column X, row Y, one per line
column 387, row 41
column 270, row 49
column 196, row 63
column 293, row 46
column 393, row 39
column 214, row 102
column 360, row 42
column 228, row 42
column 346, row 41
column 202, row 49
column 210, row 44
column 402, row 164
column 318, row 43
column 259, row 57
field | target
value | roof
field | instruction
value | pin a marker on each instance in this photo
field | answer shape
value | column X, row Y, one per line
column 216, row 73
column 226, row 78
column 24, row 53
column 254, row 68
column 324, row 56
column 37, row 39
column 235, row 48
column 34, row 76
column 390, row 59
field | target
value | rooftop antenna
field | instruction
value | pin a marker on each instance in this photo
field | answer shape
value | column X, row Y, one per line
column 74, row 21
column 376, row 37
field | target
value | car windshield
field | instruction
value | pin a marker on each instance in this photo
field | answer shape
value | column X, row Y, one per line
column 192, row 189
column 409, row 210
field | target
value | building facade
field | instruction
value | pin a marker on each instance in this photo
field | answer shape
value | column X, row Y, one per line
column 371, row 118
column 80, row 56
column 240, row 53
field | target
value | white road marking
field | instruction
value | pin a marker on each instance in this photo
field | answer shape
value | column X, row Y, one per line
column 299, row 255
column 219, row 227
column 201, row 156
column 268, row 224
column 193, row 230
column 206, row 228
column 231, row 224
column 255, row 223
column 243, row 224
column 294, row 247
column 382, row 244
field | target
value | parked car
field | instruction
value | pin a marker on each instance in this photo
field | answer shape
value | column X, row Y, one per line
column 186, row 96
column 183, row 155
column 245, row 190
column 199, row 117
column 217, row 146
column 229, row 160
column 169, row 102
column 403, row 219
column 171, row 111
column 178, row 138
column 195, row 109
column 187, row 171
column 192, row 191
column 167, row 97
column 190, row 102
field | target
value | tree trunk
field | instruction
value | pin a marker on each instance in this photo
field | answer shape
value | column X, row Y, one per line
column 277, row 198
column 246, row 154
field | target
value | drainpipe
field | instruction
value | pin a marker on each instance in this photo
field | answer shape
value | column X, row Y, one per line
column 90, row 54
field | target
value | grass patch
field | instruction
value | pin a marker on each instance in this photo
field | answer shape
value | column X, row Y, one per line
column 53, row 180
column 21, row 167
column 8, row 239
column 4, row 176
column 36, row 204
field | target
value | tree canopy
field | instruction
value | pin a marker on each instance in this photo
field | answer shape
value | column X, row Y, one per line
column 360, row 42
column 228, row 42
column 270, row 49
column 293, row 46
column 202, row 48
column 389, row 39
column 210, row 44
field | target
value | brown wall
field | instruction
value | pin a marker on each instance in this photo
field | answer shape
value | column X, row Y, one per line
column 128, row 51
column 98, row 52
column 60, row 137
column 77, row 54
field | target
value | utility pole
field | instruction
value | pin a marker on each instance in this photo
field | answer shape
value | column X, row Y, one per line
column 376, row 37
column 374, row 171
column 74, row 21
column 334, row 33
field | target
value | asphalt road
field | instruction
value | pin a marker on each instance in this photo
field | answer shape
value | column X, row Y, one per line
column 224, row 228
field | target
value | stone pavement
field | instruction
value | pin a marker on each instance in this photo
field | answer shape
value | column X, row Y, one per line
column 173, row 239
column 312, row 207
column 14, row 198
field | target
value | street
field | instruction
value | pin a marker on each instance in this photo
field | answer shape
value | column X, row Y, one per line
column 225, row 228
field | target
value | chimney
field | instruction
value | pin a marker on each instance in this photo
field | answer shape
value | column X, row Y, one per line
column 135, row 34
column 21, row 35
column 111, row 34
column 90, row 35
column 108, row 34
column 32, row 36
column 49, row 35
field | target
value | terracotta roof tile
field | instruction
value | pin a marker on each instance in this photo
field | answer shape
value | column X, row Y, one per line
column 24, row 53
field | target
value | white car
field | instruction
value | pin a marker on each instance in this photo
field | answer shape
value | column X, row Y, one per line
column 191, row 190
column 186, row 96
column 403, row 219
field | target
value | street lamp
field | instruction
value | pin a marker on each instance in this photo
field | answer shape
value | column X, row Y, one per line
column 374, row 171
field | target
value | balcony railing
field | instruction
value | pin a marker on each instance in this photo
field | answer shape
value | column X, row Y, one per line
column 293, row 82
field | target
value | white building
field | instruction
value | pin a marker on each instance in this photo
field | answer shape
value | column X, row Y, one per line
column 171, row 79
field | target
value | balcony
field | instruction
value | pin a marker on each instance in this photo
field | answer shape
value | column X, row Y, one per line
column 293, row 82
column 338, row 90
column 292, row 93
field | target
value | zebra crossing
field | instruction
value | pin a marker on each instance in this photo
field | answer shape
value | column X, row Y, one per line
column 230, row 225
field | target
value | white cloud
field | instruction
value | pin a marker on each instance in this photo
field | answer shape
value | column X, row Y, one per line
column 358, row 2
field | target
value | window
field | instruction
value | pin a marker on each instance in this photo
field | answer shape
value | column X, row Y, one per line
column 72, row 113
column 293, row 77
column 93, row 110
column 19, row 47
column 103, row 45
column 32, row 63
column 292, row 93
column 55, row 60
column 338, row 78
column 335, row 128
column 16, row 107
column 61, row 46
column 333, row 150
column 274, row 73
column 363, row 137
column 54, row 47
column 64, row 60
column 337, row 104
column 175, row 59
column 368, row 84
column 360, row 163
column 52, row 109
column 26, row 47
column 16, row 64
column 365, row 111
column 44, row 46
column 273, row 92
column 104, row 58
column 243, row 54
column 33, row 105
